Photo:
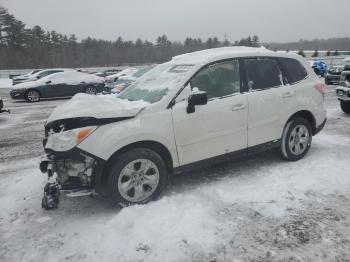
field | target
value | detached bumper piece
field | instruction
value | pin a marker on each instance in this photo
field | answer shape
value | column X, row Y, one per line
column 51, row 196
column 5, row 110
column 2, row 109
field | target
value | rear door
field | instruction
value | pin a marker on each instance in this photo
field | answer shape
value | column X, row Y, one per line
column 271, row 100
column 220, row 126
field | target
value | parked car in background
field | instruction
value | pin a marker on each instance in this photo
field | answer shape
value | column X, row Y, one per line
column 320, row 67
column 22, row 78
column 108, row 72
column 124, row 81
column 343, row 91
column 335, row 70
column 186, row 113
column 40, row 74
column 60, row 84
column 125, row 72
column 2, row 109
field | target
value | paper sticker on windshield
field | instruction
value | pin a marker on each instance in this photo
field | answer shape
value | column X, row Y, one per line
column 180, row 68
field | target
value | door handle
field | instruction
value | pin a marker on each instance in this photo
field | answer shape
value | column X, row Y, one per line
column 238, row 107
column 287, row 94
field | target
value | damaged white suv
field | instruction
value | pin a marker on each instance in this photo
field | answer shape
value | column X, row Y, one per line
column 198, row 109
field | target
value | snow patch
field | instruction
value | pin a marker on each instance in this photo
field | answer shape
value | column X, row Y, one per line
column 5, row 83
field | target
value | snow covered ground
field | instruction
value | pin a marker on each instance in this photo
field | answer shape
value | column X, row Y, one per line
column 255, row 209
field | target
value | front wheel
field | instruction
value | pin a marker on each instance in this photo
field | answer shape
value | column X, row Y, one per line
column 345, row 106
column 91, row 90
column 296, row 139
column 32, row 96
column 137, row 177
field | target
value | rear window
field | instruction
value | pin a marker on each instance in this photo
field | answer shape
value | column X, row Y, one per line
column 293, row 69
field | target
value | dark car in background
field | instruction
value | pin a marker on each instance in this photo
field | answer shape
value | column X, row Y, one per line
column 62, row 84
column 37, row 74
column 343, row 91
column 319, row 67
column 334, row 72
column 108, row 72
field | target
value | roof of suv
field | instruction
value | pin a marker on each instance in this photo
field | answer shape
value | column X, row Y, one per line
column 214, row 54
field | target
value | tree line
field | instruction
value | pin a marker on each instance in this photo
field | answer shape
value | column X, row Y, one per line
column 22, row 47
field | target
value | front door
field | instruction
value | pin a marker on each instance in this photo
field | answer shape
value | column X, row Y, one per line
column 220, row 126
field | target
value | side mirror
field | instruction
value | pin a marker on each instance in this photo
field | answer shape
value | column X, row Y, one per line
column 196, row 99
column 37, row 77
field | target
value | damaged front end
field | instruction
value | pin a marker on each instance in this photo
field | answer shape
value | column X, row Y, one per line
column 69, row 168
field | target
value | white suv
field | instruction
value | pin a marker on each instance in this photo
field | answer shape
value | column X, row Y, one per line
column 197, row 109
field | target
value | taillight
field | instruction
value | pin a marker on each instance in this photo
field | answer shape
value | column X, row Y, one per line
column 320, row 87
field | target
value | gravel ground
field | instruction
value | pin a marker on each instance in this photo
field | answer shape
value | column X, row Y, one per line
column 255, row 209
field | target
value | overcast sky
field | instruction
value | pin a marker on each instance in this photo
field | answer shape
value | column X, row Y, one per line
column 271, row 20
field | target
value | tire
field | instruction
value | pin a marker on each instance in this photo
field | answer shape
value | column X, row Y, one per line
column 91, row 90
column 296, row 139
column 141, row 185
column 345, row 106
column 317, row 71
column 32, row 96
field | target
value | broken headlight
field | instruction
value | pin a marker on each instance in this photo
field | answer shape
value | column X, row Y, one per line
column 66, row 140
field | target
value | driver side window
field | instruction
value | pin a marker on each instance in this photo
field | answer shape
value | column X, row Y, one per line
column 218, row 80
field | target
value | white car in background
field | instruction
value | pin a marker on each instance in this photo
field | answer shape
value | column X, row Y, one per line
column 22, row 78
column 123, row 73
column 37, row 74
column 125, row 81
column 198, row 109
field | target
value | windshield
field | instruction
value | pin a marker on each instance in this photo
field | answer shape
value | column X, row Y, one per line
column 155, row 84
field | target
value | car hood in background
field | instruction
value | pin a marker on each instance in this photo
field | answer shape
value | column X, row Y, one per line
column 99, row 107
column 26, row 85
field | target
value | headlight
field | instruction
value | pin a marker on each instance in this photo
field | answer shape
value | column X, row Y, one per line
column 66, row 140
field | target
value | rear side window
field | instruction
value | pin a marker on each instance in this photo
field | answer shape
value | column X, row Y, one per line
column 263, row 73
column 293, row 69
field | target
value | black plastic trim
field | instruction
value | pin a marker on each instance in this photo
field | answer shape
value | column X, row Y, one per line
column 320, row 127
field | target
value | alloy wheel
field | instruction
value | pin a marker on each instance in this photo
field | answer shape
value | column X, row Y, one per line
column 90, row 90
column 299, row 139
column 138, row 180
column 33, row 96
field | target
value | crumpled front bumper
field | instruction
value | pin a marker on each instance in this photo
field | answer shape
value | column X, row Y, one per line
column 74, row 164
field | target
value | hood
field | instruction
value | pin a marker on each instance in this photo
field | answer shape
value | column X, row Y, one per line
column 98, row 107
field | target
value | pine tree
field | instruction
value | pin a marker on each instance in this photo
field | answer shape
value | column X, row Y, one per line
column 301, row 52
column 315, row 54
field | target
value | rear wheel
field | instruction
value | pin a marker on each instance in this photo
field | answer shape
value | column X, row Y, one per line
column 91, row 90
column 32, row 95
column 137, row 177
column 345, row 106
column 296, row 139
